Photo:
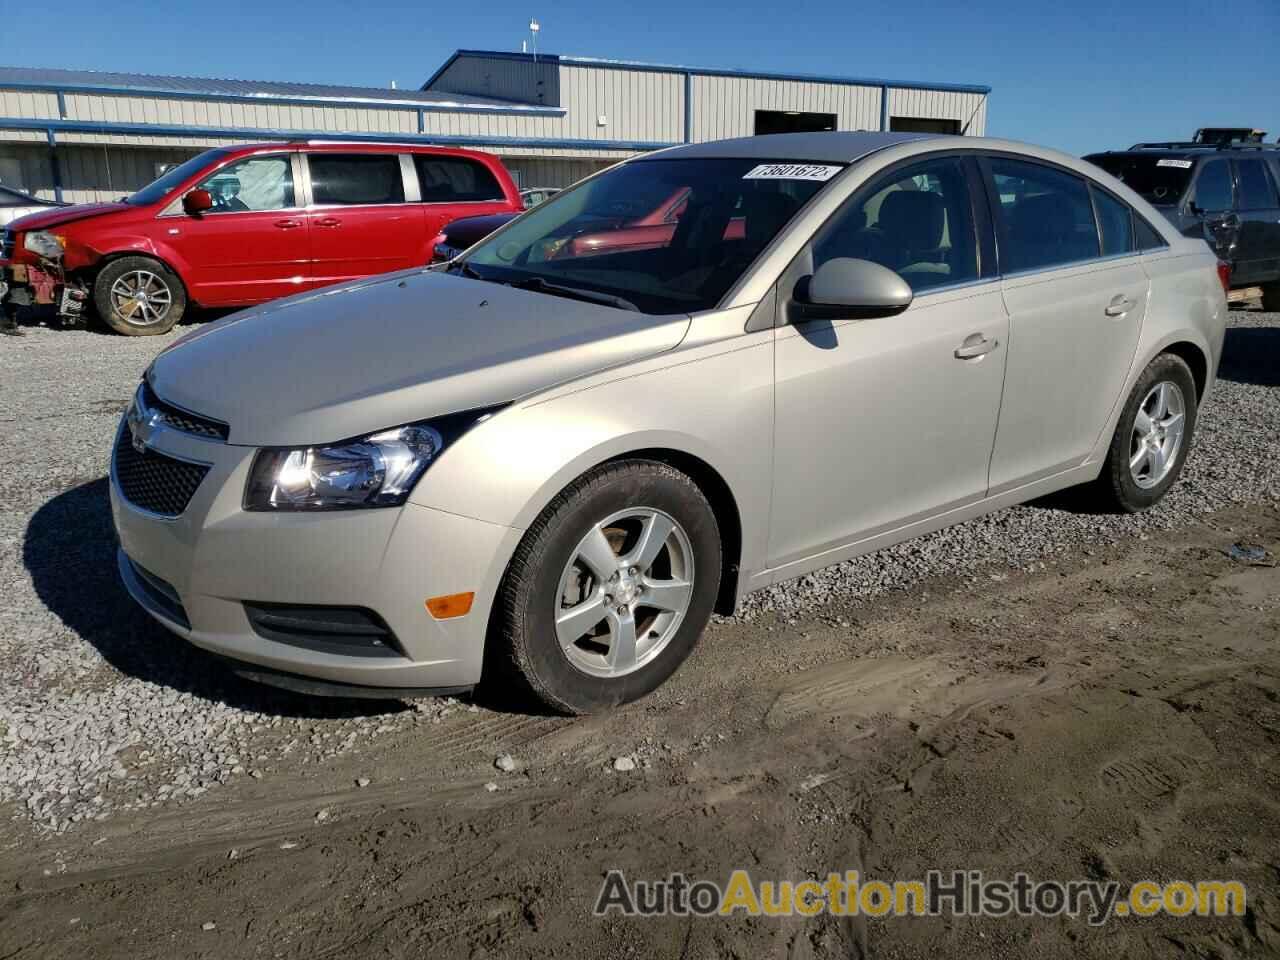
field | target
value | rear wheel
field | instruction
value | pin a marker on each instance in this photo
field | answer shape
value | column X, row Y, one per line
column 610, row 588
column 1152, row 438
column 138, row 296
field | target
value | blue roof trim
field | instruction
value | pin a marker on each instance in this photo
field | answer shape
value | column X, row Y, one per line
column 280, row 94
column 606, row 64
column 250, row 135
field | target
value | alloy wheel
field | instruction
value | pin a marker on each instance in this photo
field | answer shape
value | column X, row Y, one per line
column 1157, row 434
column 141, row 298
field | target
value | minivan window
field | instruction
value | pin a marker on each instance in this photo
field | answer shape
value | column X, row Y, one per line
column 1256, row 190
column 1115, row 223
column 586, row 238
column 455, row 180
column 254, row 183
column 159, row 188
column 1213, row 186
column 918, row 222
column 1046, row 216
column 356, row 178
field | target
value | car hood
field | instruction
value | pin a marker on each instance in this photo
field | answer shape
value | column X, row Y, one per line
column 350, row 360
column 57, row 216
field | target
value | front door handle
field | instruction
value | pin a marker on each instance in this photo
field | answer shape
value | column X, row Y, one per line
column 1119, row 306
column 288, row 224
column 975, row 345
column 328, row 222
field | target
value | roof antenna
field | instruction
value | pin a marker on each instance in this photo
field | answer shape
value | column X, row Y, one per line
column 534, row 27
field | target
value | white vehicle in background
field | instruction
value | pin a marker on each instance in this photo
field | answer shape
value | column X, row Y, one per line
column 532, row 196
column 15, row 204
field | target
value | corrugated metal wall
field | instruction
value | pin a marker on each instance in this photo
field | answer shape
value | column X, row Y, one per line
column 637, row 105
column 520, row 80
column 725, row 106
column 967, row 108
column 551, row 173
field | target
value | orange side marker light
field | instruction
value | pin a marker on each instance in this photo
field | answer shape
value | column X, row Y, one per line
column 453, row 605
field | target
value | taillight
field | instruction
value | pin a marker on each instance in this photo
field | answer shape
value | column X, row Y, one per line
column 1224, row 276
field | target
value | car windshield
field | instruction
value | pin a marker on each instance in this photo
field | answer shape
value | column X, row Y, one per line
column 659, row 236
column 12, row 198
column 1158, row 180
column 160, row 188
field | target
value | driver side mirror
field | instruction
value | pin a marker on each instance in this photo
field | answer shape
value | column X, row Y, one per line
column 848, row 289
column 197, row 202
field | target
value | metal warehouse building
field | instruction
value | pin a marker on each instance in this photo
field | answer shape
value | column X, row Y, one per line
column 82, row 136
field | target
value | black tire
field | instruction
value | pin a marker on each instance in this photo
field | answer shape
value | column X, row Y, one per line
column 1117, row 489
column 1271, row 297
column 131, row 326
column 524, row 647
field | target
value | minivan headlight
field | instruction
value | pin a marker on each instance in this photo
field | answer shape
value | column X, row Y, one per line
column 44, row 244
column 378, row 470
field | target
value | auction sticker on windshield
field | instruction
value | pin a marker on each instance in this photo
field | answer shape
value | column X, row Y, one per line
column 791, row 171
column 1180, row 164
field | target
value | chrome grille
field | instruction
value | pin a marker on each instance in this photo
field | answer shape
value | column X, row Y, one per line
column 152, row 481
column 180, row 419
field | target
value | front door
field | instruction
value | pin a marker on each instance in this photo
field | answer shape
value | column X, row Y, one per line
column 254, row 244
column 1258, row 206
column 884, row 421
column 361, row 223
column 1076, row 302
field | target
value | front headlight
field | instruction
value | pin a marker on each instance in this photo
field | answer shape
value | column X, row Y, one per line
column 379, row 470
column 44, row 244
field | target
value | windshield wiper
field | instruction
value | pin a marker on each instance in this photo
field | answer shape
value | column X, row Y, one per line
column 466, row 269
column 538, row 285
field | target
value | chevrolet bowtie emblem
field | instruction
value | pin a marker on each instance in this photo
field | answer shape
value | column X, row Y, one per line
column 142, row 425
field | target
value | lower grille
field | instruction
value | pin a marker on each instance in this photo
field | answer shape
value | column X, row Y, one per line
column 346, row 631
column 162, row 597
column 152, row 481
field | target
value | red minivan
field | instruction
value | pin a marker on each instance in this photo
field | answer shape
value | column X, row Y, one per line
column 239, row 225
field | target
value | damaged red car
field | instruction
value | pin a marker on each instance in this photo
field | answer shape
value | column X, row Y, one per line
column 241, row 225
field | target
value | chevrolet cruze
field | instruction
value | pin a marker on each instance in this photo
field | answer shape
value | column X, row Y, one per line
column 535, row 468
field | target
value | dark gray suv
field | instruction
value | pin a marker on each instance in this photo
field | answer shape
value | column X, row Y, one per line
column 1228, row 193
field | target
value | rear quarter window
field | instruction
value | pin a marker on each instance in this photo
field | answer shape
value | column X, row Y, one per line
column 455, row 180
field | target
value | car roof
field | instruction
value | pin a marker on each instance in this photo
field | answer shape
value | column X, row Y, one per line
column 345, row 146
column 823, row 147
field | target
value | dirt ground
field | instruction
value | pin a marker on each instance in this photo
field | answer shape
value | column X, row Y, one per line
column 1115, row 715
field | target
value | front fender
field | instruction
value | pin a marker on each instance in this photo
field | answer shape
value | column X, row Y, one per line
column 714, row 403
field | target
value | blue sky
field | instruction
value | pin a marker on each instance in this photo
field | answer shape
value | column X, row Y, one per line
column 1079, row 75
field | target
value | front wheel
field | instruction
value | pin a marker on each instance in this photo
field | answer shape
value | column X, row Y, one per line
column 610, row 588
column 1152, row 438
column 139, row 297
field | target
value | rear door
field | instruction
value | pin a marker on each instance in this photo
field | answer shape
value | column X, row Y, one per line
column 1212, row 205
column 254, row 244
column 1258, row 206
column 361, row 219
column 1076, row 295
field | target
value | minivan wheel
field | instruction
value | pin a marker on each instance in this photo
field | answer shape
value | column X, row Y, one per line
column 138, row 296
column 1152, row 438
column 610, row 587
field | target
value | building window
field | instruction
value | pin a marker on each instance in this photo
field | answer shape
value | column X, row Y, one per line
column 923, row 125
column 793, row 121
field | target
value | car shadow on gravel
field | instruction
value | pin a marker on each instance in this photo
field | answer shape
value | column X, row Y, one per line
column 1251, row 355
column 70, row 551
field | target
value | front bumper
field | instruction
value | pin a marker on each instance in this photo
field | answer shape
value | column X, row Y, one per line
column 215, row 557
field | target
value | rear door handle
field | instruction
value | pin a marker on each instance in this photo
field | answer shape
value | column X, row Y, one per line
column 1119, row 306
column 328, row 222
column 975, row 345
column 288, row 224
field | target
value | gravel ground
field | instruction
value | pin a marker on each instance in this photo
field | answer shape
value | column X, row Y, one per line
column 103, row 710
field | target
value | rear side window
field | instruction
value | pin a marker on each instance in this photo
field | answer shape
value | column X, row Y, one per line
column 355, row 178
column 455, row 180
column 1115, row 224
column 1213, row 186
column 1046, row 216
column 1147, row 235
column 1256, row 189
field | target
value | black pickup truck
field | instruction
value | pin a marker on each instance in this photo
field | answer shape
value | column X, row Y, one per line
column 1227, row 192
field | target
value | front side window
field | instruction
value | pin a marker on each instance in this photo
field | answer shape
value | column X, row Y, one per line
column 455, row 180
column 608, row 236
column 1213, row 187
column 254, row 183
column 356, row 178
column 918, row 222
column 1046, row 216
column 1256, row 190
column 1115, row 222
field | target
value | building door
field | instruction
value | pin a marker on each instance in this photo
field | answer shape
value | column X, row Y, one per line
column 923, row 125
column 793, row 121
